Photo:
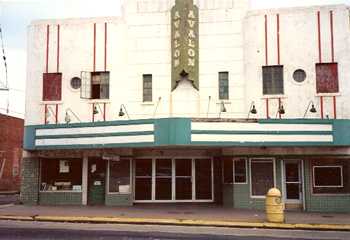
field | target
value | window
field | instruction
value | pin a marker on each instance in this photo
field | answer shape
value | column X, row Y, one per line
column 240, row 170
column 147, row 88
column 52, row 86
column 234, row 170
column 262, row 176
column 61, row 175
column 228, row 170
column 327, row 78
column 331, row 176
column 299, row 75
column 328, row 176
column 95, row 85
column 119, row 176
column 272, row 80
column 223, row 86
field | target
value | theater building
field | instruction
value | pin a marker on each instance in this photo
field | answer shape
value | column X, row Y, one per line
column 189, row 101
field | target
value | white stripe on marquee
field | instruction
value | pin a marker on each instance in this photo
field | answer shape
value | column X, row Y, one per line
column 243, row 138
column 227, row 126
column 95, row 140
column 96, row 130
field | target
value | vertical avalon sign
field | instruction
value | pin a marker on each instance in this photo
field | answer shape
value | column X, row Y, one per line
column 184, row 42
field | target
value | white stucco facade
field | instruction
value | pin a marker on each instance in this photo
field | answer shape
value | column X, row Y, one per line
column 231, row 39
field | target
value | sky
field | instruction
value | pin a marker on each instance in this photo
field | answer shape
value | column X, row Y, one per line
column 16, row 15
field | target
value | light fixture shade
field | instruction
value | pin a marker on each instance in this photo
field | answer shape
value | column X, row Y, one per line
column 223, row 108
column 313, row 109
column 281, row 110
column 121, row 113
column 253, row 110
column 67, row 118
column 95, row 110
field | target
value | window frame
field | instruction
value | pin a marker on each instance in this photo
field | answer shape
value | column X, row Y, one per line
column 228, row 85
column 263, row 80
column 234, row 170
column 130, row 177
column 86, row 88
column 261, row 160
column 329, row 64
column 46, row 97
column 144, row 77
column 328, row 166
column 61, row 191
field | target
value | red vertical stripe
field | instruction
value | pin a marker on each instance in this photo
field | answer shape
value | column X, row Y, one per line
column 56, row 116
column 278, row 39
column 93, row 114
column 332, row 33
column 45, row 116
column 279, row 107
column 105, row 65
column 267, row 108
column 321, row 103
column 104, row 111
column 58, row 48
column 335, row 107
column 47, row 47
column 319, row 37
column 266, row 43
column 94, row 60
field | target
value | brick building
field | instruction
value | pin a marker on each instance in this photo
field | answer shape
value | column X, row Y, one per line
column 190, row 101
column 11, row 142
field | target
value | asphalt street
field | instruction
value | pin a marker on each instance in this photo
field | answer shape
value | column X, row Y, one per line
column 46, row 230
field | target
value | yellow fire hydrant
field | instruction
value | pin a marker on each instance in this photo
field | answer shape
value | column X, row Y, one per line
column 274, row 206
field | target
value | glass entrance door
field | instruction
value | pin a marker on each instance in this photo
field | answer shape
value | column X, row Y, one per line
column 293, row 181
column 183, row 179
column 163, row 179
column 173, row 180
column 143, row 179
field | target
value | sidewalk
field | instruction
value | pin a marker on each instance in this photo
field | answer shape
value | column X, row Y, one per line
column 194, row 215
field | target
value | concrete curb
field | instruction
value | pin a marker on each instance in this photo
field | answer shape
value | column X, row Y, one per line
column 180, row 222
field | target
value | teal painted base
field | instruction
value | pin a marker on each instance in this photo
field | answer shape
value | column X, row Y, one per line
column 118, row 200
column 227, row 195
column 60, row 198
column 323, row 203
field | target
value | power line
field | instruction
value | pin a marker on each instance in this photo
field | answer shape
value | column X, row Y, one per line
column 4, row 58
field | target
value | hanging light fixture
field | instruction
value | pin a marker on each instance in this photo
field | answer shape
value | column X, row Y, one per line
column 281, row 110
column 156, row 108
column 209, row 100
column 121, row 112
column 252, row 109
column 67, row 118
column 312, row 109
column 95, row 110
column 222, row 108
